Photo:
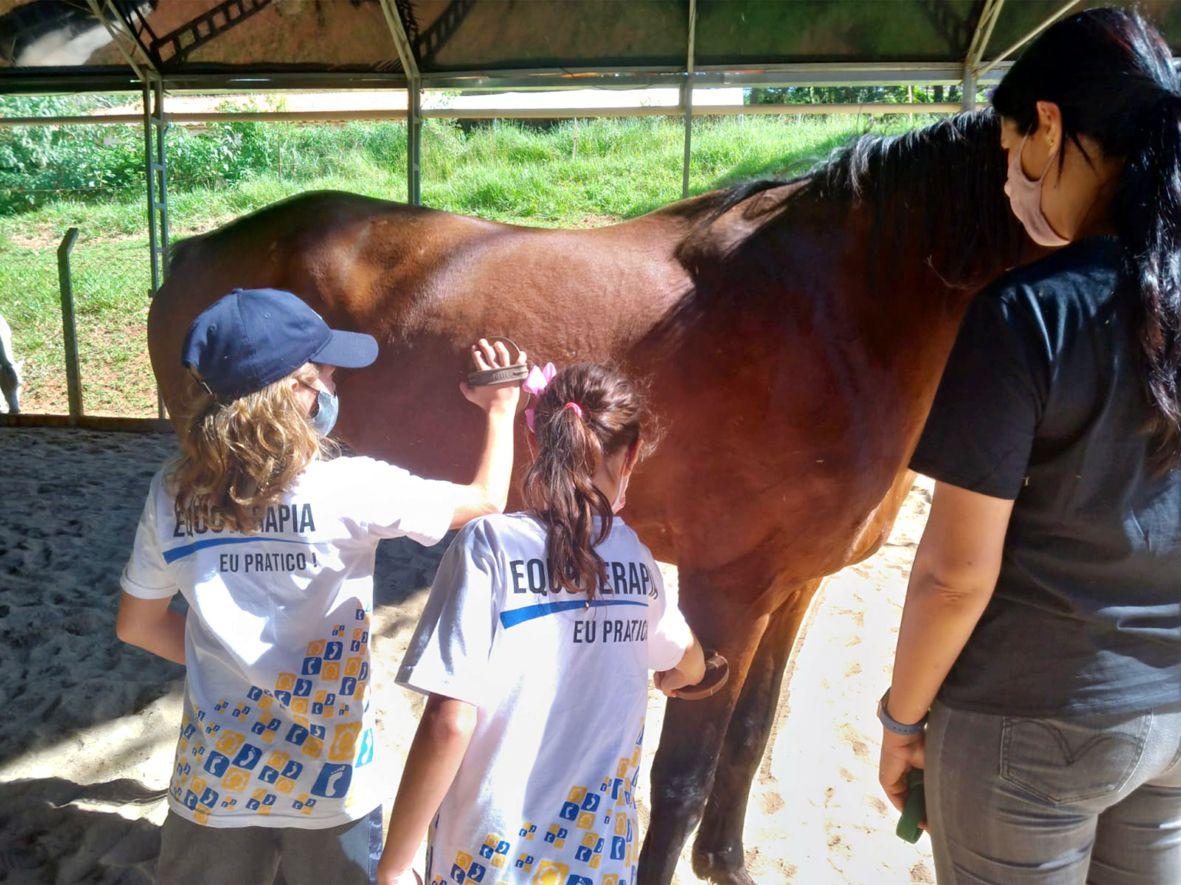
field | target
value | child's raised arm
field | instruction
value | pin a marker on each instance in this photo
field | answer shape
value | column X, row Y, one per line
column 488, row 492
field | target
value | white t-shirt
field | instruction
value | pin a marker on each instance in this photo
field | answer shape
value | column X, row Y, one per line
column 277, row 728
column 545, row 793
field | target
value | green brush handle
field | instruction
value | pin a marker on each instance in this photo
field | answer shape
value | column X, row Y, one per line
column 915, row 809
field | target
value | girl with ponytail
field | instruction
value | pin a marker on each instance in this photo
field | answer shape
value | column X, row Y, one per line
column 1038, row 671
column 533, row 652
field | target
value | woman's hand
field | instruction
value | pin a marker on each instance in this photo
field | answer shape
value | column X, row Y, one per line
column 398, row 877
column 494, row 397
column 899, row 755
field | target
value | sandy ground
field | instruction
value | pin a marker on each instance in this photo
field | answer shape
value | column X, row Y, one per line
column 89, row 727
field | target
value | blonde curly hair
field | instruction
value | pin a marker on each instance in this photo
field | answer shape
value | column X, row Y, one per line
column 238, row 458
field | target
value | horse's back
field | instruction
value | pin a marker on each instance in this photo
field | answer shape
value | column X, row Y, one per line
column 426, row 283
column 343, row 253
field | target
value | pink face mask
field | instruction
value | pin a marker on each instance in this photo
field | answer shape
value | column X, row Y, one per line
column 621, row 494
column 1025, row 198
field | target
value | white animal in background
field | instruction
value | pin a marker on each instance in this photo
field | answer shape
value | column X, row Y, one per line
column 58, row 33
column 10, row 371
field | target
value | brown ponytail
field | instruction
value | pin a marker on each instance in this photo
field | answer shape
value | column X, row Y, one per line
column 585, row 414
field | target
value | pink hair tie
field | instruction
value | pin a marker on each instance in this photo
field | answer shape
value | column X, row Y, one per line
column 576, row 407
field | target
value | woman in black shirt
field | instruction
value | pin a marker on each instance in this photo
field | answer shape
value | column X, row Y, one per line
column 1042, row 627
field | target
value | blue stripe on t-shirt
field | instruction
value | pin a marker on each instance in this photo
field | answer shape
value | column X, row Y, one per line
column 171, row 556
column 528, row 613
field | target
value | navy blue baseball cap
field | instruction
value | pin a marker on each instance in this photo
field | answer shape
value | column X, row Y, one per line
column 253, row 337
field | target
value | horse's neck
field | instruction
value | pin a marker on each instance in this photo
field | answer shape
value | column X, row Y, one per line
column 795, row 258
column 821, row 266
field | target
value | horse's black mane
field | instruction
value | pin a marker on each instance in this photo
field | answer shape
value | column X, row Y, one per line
column 940, row 187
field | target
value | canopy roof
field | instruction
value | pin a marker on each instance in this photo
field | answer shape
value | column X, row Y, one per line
column 65, row 46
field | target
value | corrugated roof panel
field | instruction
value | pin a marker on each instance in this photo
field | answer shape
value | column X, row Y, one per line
column 1019, row 17
column 45, row 39
column 465, row 35
column 753, row 31
column 272, row 34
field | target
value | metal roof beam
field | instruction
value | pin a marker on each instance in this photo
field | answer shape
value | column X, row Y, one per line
column 109, row 17
column 64, row 80
column 1062, row 11
column 405, row 51
column 413, row 101
column 791, row 74
column 989, row 15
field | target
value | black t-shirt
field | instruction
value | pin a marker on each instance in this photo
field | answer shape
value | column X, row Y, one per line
column 1042, row 401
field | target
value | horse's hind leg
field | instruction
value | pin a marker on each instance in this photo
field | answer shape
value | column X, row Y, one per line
column 718, row 854
column 693, row 732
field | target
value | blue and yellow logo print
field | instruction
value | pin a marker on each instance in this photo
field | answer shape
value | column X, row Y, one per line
column 592, row 830
column 283, row 748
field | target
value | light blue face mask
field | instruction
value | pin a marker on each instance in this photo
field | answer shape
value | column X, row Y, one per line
column 327, row 409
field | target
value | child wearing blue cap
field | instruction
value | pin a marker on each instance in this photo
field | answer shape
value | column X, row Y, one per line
column 272, row 545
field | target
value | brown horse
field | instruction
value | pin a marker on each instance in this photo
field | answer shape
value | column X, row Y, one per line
column 791, row 333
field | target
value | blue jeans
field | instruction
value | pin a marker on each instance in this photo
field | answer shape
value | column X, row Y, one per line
column 1093, row 799
column 191, row 854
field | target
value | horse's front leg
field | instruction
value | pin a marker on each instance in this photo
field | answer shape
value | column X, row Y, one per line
column 718, row 854
column 693, row 732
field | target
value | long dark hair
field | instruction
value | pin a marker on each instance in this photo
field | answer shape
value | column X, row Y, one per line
column 1111, row 75
column 559, row 486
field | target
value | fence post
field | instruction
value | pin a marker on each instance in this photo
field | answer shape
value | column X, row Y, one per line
column 156, row 170
column 69, row 329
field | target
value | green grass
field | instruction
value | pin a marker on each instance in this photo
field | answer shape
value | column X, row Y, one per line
column 574, row 174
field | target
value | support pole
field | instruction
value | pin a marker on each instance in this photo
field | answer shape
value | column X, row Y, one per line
column 687, row 105
column 414, row 144
column 989, row 13
column 413, row 101
column 687, row 99
column 69, row 327
column 141, row 60
column 968, row 88
column 156, row 173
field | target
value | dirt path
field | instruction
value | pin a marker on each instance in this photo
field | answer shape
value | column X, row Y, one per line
column 87, row 743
